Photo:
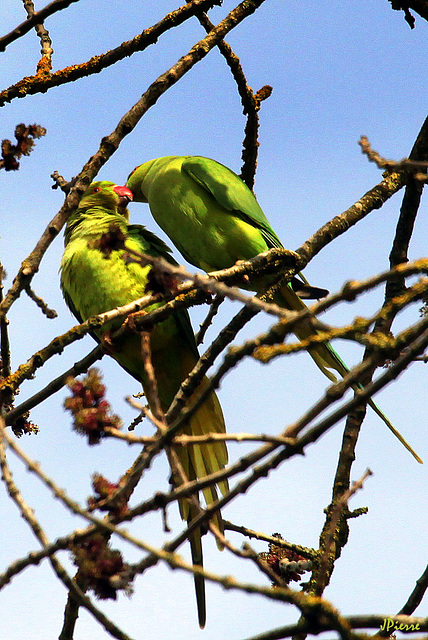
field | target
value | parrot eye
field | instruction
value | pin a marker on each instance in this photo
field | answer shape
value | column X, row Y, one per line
column 96, row 190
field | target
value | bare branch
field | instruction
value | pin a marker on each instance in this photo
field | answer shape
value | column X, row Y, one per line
column 35, row 18
column 49, row 313
column 55, row 385
column 43, row 82
column 373, row 199
column 303, row 551
column 185, row 440
column 336, row 512
column 45, row 64
column 214, row 307
column 4, row 335
column 416, row 596
column 110, row 143
column 28, row 515
column 250, row 102
column 397, row 623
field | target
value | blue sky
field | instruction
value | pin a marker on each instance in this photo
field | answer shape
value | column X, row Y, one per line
column 338, row 70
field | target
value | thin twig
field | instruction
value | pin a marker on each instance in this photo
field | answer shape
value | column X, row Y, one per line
column 152, row 385
column 49, row 313
column 224, row 338
column 36, row 18
column 314, row 433
column 213, row 310
column 72, row 505
column 4, row 335
column 258, row 535
column 250, row 103
column 390, row 165
column 248, row 553
column 55, row 385
column 76, row 333
column 301, row 600
column 28, row 515
column 212, row 284
column 37, row 84
column 416, row 338
column 404, row 228
column 287, row 452
column 45, row 64
column 187, row 440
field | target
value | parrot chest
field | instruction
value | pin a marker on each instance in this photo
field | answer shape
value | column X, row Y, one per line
column 96, row 284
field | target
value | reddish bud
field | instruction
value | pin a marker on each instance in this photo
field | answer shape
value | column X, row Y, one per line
column 286, row 563
column 90, row 409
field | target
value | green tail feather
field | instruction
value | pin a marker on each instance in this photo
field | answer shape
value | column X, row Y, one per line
column 197, row 558
column 199, row 461
column 343, row 370
column 326, row 358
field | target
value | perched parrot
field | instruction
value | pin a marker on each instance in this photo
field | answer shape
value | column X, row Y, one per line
column 94, row 281
column 214, row 220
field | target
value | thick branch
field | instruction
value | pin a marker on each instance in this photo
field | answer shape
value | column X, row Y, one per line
column 409, row 209
column 373, row 199
column 420, row 6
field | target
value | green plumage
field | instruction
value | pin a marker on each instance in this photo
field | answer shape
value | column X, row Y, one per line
column 94, row 281
column 214, row 220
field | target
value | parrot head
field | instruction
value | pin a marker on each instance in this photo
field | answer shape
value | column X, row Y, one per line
column 136, row 179
column 107, row 195
column 100, row 197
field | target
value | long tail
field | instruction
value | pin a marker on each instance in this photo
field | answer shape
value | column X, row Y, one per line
column 173, row 358
column 197, row 559
column 198, row 461
column 326, row 358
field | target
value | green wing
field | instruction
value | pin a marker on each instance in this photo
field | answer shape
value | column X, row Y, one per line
column 234, row 196
column 150, row 243
column 70, row 304
column 154, row 246
column 231, row 193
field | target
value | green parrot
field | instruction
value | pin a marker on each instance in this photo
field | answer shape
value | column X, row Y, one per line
column 93, row 281
column 214, row 220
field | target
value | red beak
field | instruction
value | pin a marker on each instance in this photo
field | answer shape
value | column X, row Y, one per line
column 123, row 192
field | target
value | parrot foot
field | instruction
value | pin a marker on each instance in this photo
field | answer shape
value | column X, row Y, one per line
column 131, row 323
column 109, row 346
column 161, row 282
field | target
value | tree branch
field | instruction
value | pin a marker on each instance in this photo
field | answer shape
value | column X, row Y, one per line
column 111, row 143
column 36, row 18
